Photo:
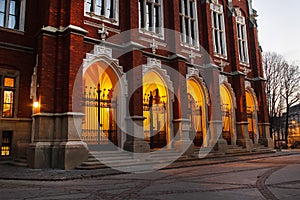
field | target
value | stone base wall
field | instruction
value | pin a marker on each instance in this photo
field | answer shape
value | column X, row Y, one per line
column 21, row 134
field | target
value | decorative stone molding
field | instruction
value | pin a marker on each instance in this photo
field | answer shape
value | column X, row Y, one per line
column 153, row 62
column 193, row 73
column 222, row 79
column 231, row 91
column 102, row 53
column 247, row 84
column 252, row 92
column 155, row 65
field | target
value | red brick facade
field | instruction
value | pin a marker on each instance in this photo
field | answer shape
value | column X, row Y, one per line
column 58, row 35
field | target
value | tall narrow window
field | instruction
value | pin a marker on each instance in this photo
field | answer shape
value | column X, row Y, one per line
column 218, row 29
column 188, row 22
column 8, row 93
column 12, row 14
column 150, row 16
column 102, row 9
column 242, row 38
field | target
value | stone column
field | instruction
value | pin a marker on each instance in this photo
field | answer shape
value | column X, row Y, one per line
column 263, row 115
column 241, row 111
column 134, row 122
column 57, row 142
column 183, row 143
column 211, row 77
column 135, row 137
column 181, row 123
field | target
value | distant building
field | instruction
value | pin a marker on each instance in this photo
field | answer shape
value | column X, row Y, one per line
column 45, row 44
column 293, row 127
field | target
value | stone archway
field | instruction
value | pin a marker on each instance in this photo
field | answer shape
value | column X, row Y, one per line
column 228, row 106
column 104, row 86
column 252, row 108
column 197, row 107
column 157, row 98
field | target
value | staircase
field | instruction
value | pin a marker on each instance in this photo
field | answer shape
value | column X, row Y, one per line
column 235, row 149
column 262, row 149
column 19, row 162
column 123, row 160
column 206, row 152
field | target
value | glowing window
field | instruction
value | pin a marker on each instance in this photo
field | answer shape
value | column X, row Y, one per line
column 9, row 82
column 6, row 143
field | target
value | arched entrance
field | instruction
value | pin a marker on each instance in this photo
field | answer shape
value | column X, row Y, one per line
column 252, row 116
column 196, row 112
column 101, row 93
column 228, row 115
column 155, row 110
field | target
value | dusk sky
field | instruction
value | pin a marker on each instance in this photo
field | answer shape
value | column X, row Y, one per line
column 279, row 27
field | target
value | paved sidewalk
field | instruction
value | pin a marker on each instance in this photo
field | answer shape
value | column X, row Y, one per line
column 8, row 172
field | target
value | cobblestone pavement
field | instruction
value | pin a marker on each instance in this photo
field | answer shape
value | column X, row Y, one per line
column 274, row 176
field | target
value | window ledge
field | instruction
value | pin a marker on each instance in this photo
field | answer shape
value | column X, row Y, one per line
column 246, row 64
column 101, row 17
column 20, row 32
column 220, row 56
column 152, row 34
column 190, row 46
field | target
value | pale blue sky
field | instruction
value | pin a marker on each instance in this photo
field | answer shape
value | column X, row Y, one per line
column 279, row 27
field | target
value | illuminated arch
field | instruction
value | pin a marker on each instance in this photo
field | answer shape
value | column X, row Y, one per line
column 101, row 70
column 198, row 102
column 252, row 108
column 156, row 82
column 228, row 106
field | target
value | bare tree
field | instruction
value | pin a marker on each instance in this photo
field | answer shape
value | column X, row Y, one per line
column 281, row 87
column 273, row 67
column 290, row 90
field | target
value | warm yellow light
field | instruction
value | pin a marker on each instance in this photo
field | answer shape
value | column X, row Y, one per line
column 293, row 122
column 36, row 104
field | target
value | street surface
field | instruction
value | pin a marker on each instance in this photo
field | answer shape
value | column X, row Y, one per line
column 268, row 177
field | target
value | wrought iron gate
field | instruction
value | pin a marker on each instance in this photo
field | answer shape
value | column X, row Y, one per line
column 154, row 107
column 99, row 124
column 195, row 115
column 226, row 118
column 250, row 125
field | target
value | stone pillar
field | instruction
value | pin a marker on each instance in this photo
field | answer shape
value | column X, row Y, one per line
column 238, row 84
column 263, row 115
column 211, row 77
column 243, row 135
column 264, row 135
column 135, row 137
column 134, row 122
column 183, row 143
column 56, row 142
column 181, row 123
column 216, row 140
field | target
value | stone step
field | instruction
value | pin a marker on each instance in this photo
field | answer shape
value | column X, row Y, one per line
column 19, row 162
column 262, row 149
column 110, row 153
column 115, row 157
column 91, row 167
column 234, row 147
